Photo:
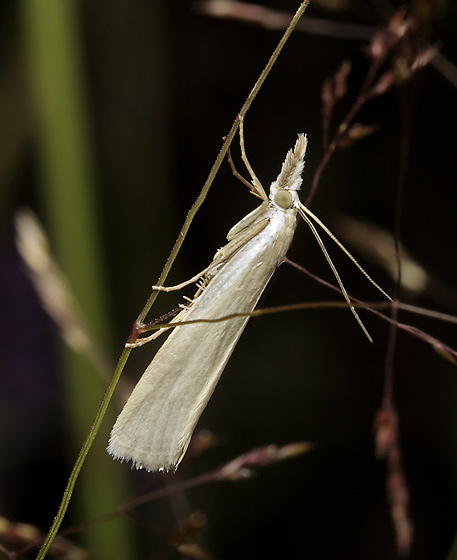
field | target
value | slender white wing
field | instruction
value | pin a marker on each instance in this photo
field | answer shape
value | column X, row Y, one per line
column 156, row 424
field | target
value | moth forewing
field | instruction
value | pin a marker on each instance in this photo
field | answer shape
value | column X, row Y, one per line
column 155, row 426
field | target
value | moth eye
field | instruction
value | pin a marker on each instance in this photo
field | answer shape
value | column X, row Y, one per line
column 283, row 199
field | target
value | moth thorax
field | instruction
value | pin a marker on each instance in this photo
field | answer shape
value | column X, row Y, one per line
column 283, row 199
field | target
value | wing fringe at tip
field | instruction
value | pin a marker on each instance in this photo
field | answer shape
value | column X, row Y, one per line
column 139, row 463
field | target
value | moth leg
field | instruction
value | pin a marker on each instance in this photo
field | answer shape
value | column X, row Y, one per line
column 187, row 282
column 255, row 185
column 239, row 176
column 221, row 256
column 144, row 340
column 157, row 333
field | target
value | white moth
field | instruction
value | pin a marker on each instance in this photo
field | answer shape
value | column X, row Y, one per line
column 155, row 426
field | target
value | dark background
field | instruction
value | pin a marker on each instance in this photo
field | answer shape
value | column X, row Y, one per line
column 161, row 86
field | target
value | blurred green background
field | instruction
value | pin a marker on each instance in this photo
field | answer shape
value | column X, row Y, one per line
column 112, row 114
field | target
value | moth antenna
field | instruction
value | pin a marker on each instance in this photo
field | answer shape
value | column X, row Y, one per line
column 301, row 210
column 306, row 210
